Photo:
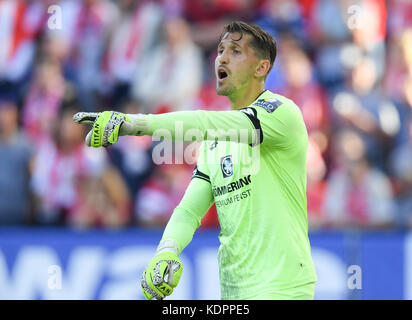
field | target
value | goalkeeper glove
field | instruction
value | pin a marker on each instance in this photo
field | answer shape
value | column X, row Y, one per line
column 162, row 274
column 108, row 125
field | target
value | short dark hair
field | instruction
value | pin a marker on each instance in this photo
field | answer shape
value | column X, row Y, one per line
column 262, row 42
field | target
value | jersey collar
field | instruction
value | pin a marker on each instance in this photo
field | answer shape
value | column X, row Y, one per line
column 260, row 94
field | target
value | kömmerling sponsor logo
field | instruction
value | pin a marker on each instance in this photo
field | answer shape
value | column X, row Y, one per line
column 233, row 186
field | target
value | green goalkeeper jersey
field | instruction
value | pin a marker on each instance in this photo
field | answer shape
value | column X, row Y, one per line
column 259, row 188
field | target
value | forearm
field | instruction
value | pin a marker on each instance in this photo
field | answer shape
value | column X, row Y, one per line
column 180, row 229
column 197, row 125
column 188, row 214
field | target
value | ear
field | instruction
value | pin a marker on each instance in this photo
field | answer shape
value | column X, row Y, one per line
column 262, row 68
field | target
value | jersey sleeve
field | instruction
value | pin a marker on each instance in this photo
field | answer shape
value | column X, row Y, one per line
column 200, row 125
column 276, row 122
column 279, row 123
column 187, row 216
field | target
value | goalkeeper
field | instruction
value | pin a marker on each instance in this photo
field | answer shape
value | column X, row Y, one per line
column 264, row 248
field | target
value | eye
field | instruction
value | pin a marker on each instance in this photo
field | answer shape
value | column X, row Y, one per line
column 220, row 51
column 236, row 51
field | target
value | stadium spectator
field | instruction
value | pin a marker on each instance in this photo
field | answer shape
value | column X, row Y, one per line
column 357, row 195
column 360, row 104
column 369, row 31
column 15, row 163
column 85, row 30
column 284, row 16
column 328, row 36
column 304, row 90
column 21, row 22
column 134, row 33
column 171, row 75
column 43, row 100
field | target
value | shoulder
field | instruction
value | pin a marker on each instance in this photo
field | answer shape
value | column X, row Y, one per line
column 276, row 105
column 272, row 107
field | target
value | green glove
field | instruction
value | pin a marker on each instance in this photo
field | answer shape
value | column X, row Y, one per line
column 108, row 125
column 161, row 276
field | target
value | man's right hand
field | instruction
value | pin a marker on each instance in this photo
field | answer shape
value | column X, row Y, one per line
column 161, row 276
column 109, row 125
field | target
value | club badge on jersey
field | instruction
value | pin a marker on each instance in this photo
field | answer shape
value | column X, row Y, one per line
column 226, row 164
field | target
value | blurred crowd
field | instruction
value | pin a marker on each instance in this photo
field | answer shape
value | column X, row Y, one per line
column 347, row 64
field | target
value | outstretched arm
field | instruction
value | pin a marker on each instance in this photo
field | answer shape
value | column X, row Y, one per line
column 280, row 126
column 240, row 126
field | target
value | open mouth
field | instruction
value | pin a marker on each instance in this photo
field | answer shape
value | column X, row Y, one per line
column 222, row 74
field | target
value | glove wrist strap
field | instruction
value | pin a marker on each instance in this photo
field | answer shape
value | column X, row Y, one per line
column 168, row 245
column 140, row 124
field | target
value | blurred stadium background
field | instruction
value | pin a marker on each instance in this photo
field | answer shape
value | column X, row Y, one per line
column 79, row 223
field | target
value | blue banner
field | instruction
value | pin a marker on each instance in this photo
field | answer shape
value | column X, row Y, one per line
column 37, row 263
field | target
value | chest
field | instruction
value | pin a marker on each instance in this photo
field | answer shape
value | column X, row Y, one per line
column 230, row 162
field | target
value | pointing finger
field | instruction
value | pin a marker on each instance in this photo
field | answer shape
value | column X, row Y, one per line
column 85, row 117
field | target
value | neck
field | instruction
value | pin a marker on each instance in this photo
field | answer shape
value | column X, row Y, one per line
column 244, row 97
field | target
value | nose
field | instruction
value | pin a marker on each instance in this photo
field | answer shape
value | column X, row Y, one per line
column 223, row 58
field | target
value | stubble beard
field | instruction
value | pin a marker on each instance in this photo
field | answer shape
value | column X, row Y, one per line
column 224, row 90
